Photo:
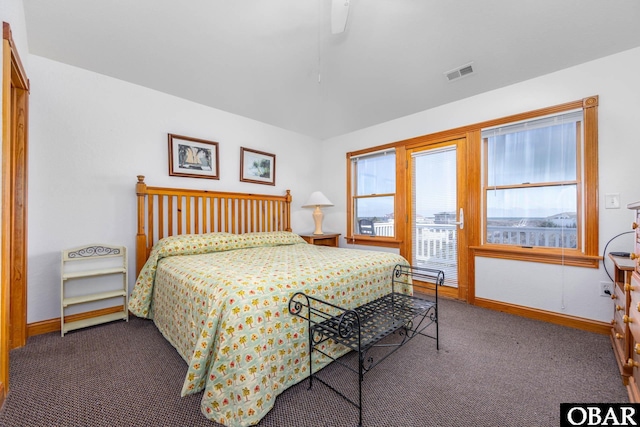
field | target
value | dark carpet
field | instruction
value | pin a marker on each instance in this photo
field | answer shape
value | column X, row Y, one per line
column 493, row 369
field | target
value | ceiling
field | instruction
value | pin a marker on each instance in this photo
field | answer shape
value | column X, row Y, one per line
column 277, row 61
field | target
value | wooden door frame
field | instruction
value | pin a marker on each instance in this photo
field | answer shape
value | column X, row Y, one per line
column 463, row 291
column 13, row 244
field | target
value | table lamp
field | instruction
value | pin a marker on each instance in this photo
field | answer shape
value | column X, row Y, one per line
column 317, row 200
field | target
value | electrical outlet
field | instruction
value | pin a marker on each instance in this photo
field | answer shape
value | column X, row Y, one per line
column 606, row 289
column 612, row 201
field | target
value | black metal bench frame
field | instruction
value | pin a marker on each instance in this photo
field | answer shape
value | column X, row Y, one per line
column 362, row 328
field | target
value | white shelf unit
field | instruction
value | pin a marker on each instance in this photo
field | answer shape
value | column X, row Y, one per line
column 84, row 263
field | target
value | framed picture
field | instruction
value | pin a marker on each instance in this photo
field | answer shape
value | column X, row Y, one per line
column 192, row 157
column 257, row 167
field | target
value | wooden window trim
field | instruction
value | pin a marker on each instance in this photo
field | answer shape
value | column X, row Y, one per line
column 385, row 242
column 399, row 211
column 589, row 256
column 571, row 257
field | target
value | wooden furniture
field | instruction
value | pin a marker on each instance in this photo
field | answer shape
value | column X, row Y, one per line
column 620, row 334
column 364, row 327
column 164, row 212
column 79, row 283
column 326, row 239
column 633, row 319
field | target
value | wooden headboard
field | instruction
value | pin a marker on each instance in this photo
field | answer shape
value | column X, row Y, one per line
column 164, row 212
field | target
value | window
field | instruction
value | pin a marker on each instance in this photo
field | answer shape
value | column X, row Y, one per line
column 531, row 187
column 539, row 186
column 532, row 182
column 373, row 191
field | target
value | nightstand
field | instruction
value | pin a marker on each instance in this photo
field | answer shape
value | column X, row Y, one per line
column 326, row 239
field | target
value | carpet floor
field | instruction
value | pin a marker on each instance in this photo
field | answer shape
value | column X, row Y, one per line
column 492, row 369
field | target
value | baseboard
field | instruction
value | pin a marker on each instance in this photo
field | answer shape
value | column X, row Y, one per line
column 53, row 325
column 546, row 316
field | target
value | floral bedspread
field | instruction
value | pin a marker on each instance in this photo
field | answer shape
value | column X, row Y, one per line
column 222, row 301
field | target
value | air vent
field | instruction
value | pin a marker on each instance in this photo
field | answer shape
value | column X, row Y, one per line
column 459, row 72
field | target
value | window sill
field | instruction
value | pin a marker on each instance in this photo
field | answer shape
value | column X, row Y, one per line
column 387, row 242
column 549, row 256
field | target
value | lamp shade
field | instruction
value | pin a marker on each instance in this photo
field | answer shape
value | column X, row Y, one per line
column 317, row 199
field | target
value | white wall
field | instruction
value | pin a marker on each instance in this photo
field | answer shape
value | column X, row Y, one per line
column 90, row 135
column 11, row 11
column 567, row 290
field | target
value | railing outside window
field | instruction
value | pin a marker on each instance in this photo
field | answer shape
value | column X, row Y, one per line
column 437, row 242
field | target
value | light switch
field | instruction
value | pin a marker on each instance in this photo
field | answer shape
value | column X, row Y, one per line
column 612, row 201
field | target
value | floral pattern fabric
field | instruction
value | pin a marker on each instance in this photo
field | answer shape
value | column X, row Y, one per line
column 222, row 301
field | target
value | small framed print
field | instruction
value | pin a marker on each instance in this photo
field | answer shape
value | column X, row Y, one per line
column 193, row 157
column 257, row 167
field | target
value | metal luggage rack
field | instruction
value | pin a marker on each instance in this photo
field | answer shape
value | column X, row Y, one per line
column 362, row 328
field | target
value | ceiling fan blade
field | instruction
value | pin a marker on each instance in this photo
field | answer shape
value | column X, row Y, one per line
column 339, row 15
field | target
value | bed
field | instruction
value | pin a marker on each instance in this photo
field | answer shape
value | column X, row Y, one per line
column 216, row 272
